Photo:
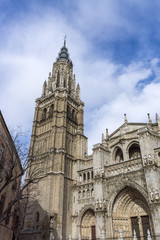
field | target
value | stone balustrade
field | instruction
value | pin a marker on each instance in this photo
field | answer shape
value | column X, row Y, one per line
column 123, row 167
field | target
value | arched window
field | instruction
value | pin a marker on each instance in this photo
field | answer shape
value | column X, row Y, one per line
column 37, row 217
column 51, row 109
column 88, row 175
column 134, row 151
column 44, row 114
column 119, row 155
column 84, row 177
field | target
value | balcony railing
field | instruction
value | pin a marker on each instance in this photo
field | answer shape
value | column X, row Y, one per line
column 123, row 167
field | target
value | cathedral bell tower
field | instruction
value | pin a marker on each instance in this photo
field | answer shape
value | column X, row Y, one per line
column 57, row 140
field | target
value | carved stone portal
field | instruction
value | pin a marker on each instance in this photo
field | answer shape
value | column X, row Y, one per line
column 130, row 210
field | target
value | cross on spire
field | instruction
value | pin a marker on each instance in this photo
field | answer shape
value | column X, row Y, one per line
column 65, row 37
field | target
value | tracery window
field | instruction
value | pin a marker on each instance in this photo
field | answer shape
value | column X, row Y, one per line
column 134, row 151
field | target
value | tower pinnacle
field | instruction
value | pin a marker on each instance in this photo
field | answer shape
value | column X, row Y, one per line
column 65, row 37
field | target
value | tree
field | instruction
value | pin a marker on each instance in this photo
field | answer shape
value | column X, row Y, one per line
column 14, row 163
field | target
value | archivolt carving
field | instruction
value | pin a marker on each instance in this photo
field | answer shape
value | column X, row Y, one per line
column 129, row 203
column 123, row 183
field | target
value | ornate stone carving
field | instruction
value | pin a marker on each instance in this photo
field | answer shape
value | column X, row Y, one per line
column 149, row 160
column 52, row 223
column 124, row 128
column 99, row 172
column 100, row 204
column 154, row 195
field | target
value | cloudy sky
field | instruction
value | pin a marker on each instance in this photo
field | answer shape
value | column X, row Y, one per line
column 114, row 46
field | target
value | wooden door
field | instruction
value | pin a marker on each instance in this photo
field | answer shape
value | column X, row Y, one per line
column 93, row 232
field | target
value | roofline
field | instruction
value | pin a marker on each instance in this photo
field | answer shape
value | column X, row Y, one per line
column 132, row 123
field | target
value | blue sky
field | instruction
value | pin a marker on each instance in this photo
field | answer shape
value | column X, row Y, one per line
column 114, row 46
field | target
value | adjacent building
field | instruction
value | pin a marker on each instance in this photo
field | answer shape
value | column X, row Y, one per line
column 10, row 169
column 114, row 191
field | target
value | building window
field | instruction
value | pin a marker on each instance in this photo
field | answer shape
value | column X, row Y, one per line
column 84, row 177
column 51, row 109
column 37, row 217
column 88, row 175
column 119, row 155
column 44, row 112
column 92, row 192
column 134, row 151
column 92, row 174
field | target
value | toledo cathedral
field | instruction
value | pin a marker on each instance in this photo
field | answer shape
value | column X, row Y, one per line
column 113, row 193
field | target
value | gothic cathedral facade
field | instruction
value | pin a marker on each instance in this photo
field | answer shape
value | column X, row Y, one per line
column 115, row 191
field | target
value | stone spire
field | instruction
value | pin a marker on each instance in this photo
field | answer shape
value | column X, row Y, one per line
column 63, row 54
column 149, row 118
column 78, row 92
column 125, row 118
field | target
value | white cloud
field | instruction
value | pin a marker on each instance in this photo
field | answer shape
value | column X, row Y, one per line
column 30, row 45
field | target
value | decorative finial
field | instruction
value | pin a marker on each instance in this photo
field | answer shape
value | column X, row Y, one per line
column 65, row 40
column 78, row 92
column 106, row 132
column 125, row 118
column 102, row 137
column 149, row 119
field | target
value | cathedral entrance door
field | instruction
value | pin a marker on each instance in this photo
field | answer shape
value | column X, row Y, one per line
column 93, row 232
column 135, row 226
column 145, row 226
column 131, row 213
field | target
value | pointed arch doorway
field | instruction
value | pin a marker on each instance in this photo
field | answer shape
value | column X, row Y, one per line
column 131, row 213
column 88, row 225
